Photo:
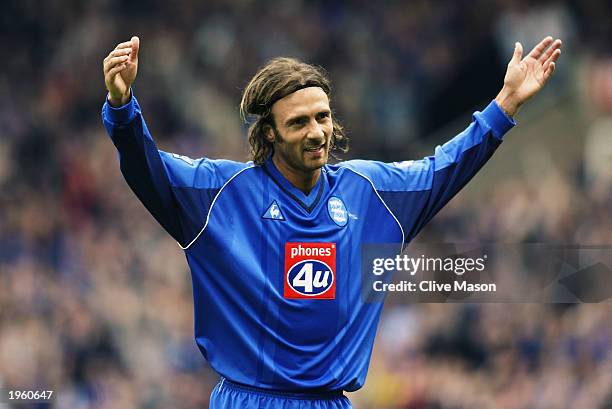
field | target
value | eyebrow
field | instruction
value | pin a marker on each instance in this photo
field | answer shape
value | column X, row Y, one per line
column 299, row 118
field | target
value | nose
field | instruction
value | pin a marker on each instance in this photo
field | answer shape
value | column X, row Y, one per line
column 315, row 131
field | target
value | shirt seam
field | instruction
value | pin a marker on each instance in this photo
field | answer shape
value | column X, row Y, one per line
column 212, row 205
column 383, row 202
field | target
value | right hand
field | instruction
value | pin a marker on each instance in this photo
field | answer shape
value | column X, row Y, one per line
column 120, row 68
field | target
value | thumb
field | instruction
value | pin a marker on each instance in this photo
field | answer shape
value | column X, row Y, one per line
column 518, row 53
column 135, row 47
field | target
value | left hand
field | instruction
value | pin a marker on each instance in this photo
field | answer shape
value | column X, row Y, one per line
column 525, row 77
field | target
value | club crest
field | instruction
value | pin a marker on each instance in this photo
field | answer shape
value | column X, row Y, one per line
column 337, row 211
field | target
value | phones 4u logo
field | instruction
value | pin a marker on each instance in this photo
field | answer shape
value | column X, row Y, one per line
column 310, row 271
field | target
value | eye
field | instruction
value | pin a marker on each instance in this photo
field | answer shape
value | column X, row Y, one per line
column 322, row 115
column 299, row 122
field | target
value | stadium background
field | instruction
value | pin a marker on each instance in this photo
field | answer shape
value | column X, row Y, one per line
column 95, row 299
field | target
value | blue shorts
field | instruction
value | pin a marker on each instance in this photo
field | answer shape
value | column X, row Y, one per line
column 229, row 395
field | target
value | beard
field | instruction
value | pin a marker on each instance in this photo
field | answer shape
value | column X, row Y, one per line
column 297, row 157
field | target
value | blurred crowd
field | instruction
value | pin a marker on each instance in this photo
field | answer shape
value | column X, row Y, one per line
column 95, row 299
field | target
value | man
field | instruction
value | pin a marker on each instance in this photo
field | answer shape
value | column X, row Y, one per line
column 274, row 244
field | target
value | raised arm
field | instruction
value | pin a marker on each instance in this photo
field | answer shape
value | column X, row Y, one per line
column 176, row 190
column 415, row 191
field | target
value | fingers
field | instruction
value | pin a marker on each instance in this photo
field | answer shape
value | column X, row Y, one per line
column 115, row 70
column 554, row 57
column 123, row 56
column 549, row 71
column 115, row 57
column 135, row 44
column 119, row 52
column 556, row 45
column 549, row 64
column 127, row 44
column 539, row 49
column 123, row 52
column 518, row 53
column 111, row 62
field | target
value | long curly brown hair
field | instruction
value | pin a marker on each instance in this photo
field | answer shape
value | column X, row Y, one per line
column 275, row 80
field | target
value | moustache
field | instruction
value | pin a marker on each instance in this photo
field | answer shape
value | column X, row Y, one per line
column 315, row 145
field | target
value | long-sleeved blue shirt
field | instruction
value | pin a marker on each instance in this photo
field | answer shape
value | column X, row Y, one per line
column 276, row 272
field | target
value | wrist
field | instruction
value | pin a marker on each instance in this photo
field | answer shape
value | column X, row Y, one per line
column 507, row 102
column 119, row 100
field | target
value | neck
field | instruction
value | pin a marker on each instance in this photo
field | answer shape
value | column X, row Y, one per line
column 303, row 180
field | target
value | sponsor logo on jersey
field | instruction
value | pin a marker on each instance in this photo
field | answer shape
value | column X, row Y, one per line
column 337, row 211
column 274, row 212
column 310, row 270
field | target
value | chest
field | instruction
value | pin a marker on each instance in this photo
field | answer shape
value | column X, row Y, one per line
column 262, row 205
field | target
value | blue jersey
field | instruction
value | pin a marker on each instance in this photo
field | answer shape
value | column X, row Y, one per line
column 276, row 272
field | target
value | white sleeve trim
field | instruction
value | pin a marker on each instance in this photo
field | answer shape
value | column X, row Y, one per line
column 383, row 202
column 212, row 205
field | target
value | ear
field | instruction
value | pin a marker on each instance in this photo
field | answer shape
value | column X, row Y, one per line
column 269, row 132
